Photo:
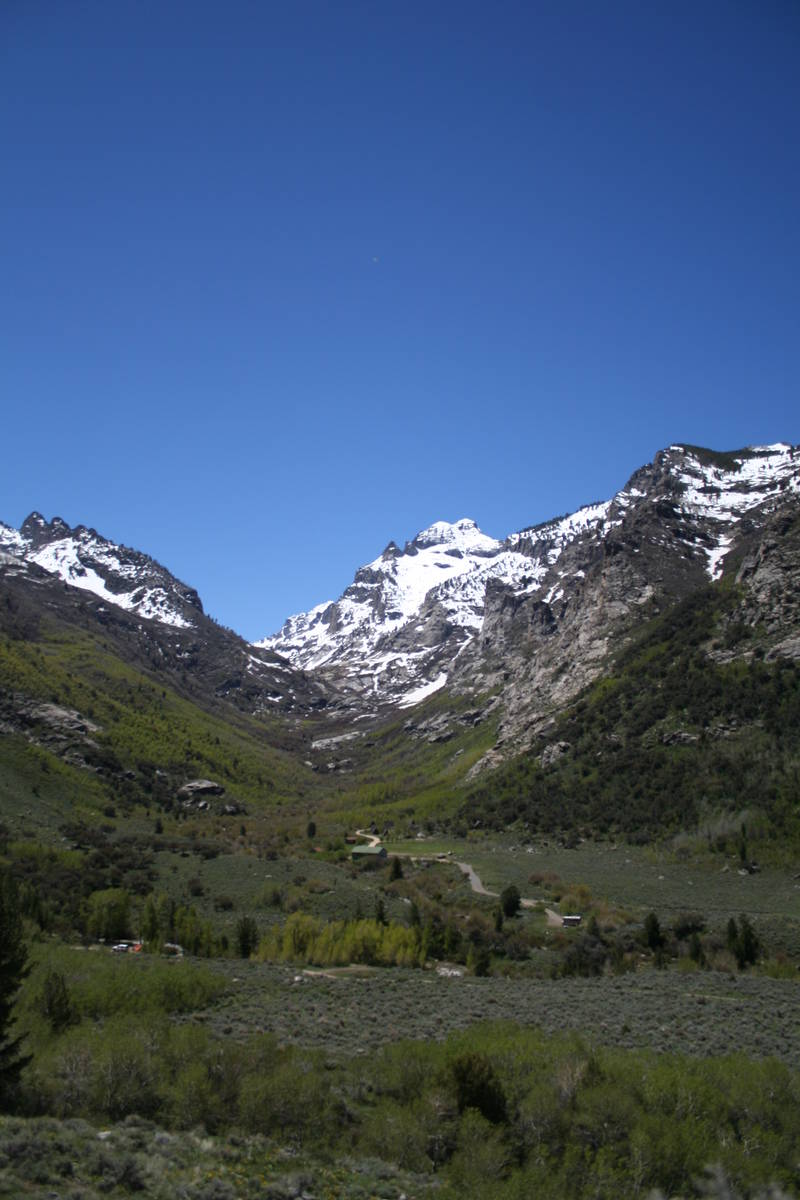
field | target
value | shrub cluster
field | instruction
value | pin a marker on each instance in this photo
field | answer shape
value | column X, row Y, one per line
column 305, row 939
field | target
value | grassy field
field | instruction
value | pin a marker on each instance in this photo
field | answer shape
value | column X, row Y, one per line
column 267, row 889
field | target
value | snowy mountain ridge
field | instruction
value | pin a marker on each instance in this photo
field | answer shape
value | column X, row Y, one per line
column 397, row 631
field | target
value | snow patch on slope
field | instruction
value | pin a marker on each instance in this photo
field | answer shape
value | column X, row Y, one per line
column 12, row 541
column 426, row 689
column 722, row 494
column 62, row 559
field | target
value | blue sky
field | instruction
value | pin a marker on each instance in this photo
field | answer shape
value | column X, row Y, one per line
column 282, row 282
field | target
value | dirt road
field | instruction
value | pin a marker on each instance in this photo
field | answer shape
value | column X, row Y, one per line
column 553, row 918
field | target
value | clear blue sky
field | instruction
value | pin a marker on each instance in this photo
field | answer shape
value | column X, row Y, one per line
column 282, row 281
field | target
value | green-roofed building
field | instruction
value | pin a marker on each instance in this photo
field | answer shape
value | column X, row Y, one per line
column 368, row 853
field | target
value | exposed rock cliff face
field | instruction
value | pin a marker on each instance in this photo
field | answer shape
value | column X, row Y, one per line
column 542, row 649
column 770, row 576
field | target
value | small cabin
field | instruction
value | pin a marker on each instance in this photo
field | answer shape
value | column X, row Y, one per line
column 368, row 853
column 571, row 920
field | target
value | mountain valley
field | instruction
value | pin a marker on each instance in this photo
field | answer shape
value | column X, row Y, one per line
column 458, row 650
column 598, row 717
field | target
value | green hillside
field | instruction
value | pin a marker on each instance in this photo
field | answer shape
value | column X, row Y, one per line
column 142, row 740
column 89, row 733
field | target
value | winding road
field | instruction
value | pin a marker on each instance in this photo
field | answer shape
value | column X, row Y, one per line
column 554, row 919
column 372, row 838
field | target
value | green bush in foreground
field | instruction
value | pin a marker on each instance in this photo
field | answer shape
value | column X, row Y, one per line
column 46, row 1157
column 495, row 1111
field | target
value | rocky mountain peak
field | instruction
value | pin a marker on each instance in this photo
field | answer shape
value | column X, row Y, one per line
column 530, row 619
column 34, row 527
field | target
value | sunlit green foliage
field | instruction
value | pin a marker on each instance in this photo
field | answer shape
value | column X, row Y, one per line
column 143, row 728
column 109, row 917
column 304, row 939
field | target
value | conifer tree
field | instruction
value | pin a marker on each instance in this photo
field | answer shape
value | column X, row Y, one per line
column 246, row 936
column 13, row 969
column 510, row 900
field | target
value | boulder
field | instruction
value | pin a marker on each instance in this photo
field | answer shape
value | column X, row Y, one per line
column 198, row 789
column 554, row 752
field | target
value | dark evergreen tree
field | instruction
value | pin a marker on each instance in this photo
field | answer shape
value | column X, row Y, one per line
column 479, row 961
column 749, row 946
column 510, row 900
column 55, row 1001
column 743, row 942
column 652, row 932
column 696, row 951
column 732, row 936
column 13, row 969
column 246, row 936
column 477, row 1086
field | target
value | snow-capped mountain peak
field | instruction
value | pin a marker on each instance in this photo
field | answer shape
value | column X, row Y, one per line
column 462, row 536
column 385, row 595
column 717, row 490
column 386, row 634
column 455, row 605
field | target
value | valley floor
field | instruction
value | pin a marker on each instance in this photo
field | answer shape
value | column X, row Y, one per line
column 703, row 1013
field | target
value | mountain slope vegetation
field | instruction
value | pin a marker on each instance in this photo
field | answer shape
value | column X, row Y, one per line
column 692, row 724
column 87, row 725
